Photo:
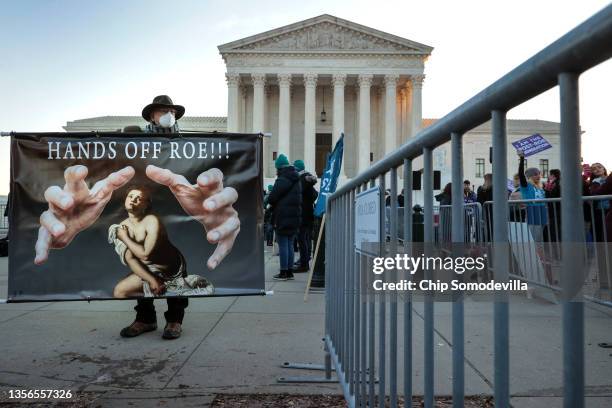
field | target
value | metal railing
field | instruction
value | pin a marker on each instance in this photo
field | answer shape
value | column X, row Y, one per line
column 357, row 339
column 534, row 234
column 472, row 221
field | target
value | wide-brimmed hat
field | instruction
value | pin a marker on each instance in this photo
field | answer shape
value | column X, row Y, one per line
column 162, row 101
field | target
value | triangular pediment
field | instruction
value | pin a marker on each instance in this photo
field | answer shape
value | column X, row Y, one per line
column 325, row 34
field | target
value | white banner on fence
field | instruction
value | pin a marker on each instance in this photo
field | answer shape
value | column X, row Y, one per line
column 527, row 251
column 367, row 220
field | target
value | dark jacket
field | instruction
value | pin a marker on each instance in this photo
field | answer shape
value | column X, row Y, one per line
column 309, row 196
column 286, row 201
column 400, row 201
column 443, row 198
column 604, row 189
column 484, row 194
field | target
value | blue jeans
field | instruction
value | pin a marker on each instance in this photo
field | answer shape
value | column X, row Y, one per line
column 285, row 250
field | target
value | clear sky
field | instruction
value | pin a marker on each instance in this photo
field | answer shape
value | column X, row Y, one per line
column 66, row 60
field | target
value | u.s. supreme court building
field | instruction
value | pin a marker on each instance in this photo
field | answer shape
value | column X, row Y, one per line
column 308, row 82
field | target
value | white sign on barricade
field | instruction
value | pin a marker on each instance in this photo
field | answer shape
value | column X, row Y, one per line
column 367, row 220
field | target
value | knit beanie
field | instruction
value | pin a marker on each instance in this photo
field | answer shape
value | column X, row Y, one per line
column 281, row 161
column 299, row 165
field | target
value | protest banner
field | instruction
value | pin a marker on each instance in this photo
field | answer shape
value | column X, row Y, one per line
column 532, row 145
column 115, row 215
column 329, row 181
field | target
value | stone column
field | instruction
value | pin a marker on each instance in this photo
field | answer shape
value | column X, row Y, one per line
column 402, row 128
column 259, row 82
column 284, row 115
column 408, row 110
column 268, row 111
column 390, row 112
column 363, row 151
column 242, row 115
column 233, row 100
column 310, row 118
column 338, row 81
column 417, row 114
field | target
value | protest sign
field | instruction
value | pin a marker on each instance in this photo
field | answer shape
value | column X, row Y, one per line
column 112, row 215
column 532, row 145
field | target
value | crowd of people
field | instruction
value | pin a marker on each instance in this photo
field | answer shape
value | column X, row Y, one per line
column 543, row 217
column 528, row 185
column 289, row 207
column 289, row 215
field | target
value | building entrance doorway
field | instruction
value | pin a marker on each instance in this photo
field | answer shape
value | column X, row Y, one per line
column 323, row 149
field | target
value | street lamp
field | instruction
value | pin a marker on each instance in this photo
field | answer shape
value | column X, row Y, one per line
column 323, row 113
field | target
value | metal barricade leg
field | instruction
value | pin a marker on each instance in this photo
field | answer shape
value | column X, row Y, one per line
column 572, row 233
column 429, row 304
column 393, row 306
column 457, row 238
column 408, row 297
column 500, row 261
column 382, row 308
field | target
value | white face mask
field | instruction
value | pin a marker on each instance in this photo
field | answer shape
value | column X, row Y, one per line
column 167, row 120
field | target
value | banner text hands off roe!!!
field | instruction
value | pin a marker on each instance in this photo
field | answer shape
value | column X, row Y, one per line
column 143, row 150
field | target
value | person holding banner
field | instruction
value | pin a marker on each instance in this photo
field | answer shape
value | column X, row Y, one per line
column 208, row 201
column 75, row 207
column 531, row 188
column 286, row 202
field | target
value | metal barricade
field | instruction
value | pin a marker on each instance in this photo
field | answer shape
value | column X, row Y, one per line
column 399, row 219
column 534, row 234
column 472, row 221
column 363, row 349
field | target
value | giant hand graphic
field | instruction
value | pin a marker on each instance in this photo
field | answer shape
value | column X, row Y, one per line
column 209, row 203
column 74, row 208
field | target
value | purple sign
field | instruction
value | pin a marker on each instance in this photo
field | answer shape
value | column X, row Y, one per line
column 532, row 145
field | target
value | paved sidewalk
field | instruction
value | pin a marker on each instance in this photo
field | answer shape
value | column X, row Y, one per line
column 237, row 344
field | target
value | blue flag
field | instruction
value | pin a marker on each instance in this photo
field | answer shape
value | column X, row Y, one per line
column 330, row 176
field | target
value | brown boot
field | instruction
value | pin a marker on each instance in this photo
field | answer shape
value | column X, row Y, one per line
column 137, row 328
column 172, row 331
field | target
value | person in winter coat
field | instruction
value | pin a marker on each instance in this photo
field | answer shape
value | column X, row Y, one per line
column 309, row 196
column 485, row 192
column 444, row 198
column 531, row 188
column 552, row 189
column 603, row 187
column 286, row 202
column 268, row 227
column 468, row 195
column 209, row 202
